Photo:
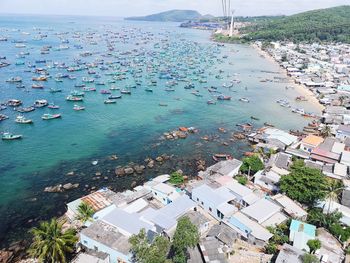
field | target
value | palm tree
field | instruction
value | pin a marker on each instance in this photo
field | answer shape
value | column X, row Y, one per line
column 334, row 188
column 50, row 243
column 85, row 212
column 326, row 131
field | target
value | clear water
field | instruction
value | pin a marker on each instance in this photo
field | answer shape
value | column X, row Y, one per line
column 132, row 127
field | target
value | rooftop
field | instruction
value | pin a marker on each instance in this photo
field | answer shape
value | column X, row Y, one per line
column 313, row 140
column 261, row 210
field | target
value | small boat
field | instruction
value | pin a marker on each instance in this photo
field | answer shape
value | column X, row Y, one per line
column 254, row 118
column 3, row 117
column 221, row 156
column 20, row 86
column 222, row 97
column 37, row 86
column 149, row 90
column 163, row 104
column 124, row 91
column 211, row 102
column 72, row 98
column 89, row 89
column 25, row 109
column 105, row 91
column 169, row 89
column 14, row 80
column 114, row 97
column 94, row 162
column 78, row 108
column 53, row 106
column 48, row 116
column 40, row 103
column 110, row 101
column 54, row 90
column 268, row 124
column 244, row 99
column 76, row 93
column 40, row 78
column 14, row 102
column 23, row 120
column 9, row 136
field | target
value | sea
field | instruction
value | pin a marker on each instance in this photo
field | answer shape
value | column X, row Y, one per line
column 183, row 68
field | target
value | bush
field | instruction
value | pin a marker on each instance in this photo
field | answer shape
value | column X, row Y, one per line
column 251, row 165
column 176, row 178
column 242, row 180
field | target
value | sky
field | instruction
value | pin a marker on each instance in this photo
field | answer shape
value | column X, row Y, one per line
column 123, row 8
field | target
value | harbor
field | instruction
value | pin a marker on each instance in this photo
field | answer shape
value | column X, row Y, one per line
column 101, row 95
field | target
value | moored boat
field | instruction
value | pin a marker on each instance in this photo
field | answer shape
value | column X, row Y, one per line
column 108, row 101
column 78, row 107
column 9, row 136
column 23, row 120
column 73, row 98
column 48, row 116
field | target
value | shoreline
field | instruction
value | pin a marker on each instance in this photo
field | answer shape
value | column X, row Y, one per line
column 299, row 88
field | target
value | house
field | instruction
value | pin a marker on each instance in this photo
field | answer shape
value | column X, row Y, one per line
column 331, row 250
column 162, row 192
column 217, row 202
column 346, row 194
column 290, row 207
column 102, row 237
column 267, row 180
column 273, row 137
column 223, row 233
column 289, row 254
column 228, row 168
column 265, row 212
column 300, row 233
column 326, row 152
column 248, row 230
column 91, row 257
column 199, row 220
column 310, row 142
column 280, row 163
column 98, row 201
column 212, row 250
column 343, row 132
column 345, row 158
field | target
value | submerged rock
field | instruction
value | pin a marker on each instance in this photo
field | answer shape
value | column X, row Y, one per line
column 54, row 189
column 129, row 170
column 119, row 171
column 139, row 169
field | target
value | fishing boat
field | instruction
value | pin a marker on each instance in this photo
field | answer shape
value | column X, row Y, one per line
column 89, row 89
column 55, row 90
column 211, row 102
column 9, row 136
column 23, row 120
column 254, row 118
column 76, row 93
column 221, row 156
column 40, row 78
column 37, row 86
column 124, row 91
column 48, row 116
column 14, row 79
column 114, row 97
column 79, row 85
column 169, row 89
column 25, row 109
column 78, row 108
column 40, row 103
column 163, row 104
column 3, row 117
column 14, row 102
column 222, row 97
column 108, row 101
column 105, row 91
column 72, row 98
column 20, row 86
column 114, row 88
column 149, row 90
column 244, row 99
column 53, row 106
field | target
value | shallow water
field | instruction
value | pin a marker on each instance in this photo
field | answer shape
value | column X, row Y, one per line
column 131, row 128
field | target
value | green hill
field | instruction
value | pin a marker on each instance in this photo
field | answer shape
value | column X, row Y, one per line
column 169, row 16
column 331, row 24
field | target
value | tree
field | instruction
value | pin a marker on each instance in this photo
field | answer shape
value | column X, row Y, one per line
column 326, row 131
column 252, row 164
column 308, row 258
column 85, row 212
column 186, row 236
column 146, row 252
column 333, row 191
column 314, row 244
column 176, row 178
column 318, row 218
column 242, row 180
column 304, row 184
column 50, row 243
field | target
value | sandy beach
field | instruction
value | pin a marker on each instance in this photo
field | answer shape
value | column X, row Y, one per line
column 300, row 89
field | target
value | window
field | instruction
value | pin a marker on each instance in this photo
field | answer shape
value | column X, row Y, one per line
column 155, row 193
column 202, row 203
column 95, row 248
column 197, row 199
column 85, row 242
column 210, row 209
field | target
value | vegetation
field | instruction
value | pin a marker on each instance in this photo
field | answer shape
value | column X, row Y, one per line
column 280, row 236
column 145, row 252
column 251, row 165
column 242, row 180
column 326, row 131
column 186, row 236
column 308, row 258
column 332, row 24
column 176, row 178
column 85, row 212
column 227, row 39
column 50, row 243
column 170, row 16
column 304, row 184
column 314, row 244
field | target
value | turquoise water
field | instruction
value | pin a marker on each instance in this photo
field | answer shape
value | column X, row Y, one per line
column 132, row 127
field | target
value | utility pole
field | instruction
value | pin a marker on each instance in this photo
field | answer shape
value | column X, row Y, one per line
column 232, row 24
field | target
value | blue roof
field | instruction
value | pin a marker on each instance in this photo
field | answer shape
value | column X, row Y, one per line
column 298, row 226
